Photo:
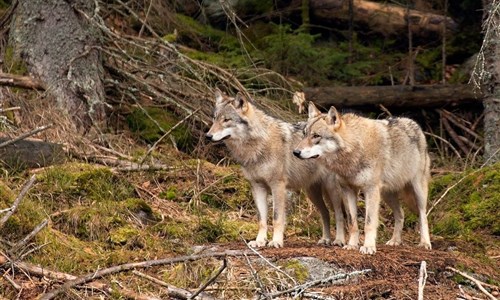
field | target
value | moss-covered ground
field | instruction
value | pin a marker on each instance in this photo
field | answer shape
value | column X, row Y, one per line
column 100, row 218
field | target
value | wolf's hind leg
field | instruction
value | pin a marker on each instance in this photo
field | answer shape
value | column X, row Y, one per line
column 391, row 198
column 278, row 190
column 315, row 194
column 260, row 193
column 419, row 186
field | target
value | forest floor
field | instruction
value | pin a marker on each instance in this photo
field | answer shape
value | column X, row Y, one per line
column 101, row 218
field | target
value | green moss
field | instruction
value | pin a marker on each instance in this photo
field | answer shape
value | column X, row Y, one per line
column 173, row 229
column 13, row 63
column 82, row 182
column 137, row 205
column 234, row 230
column 296, row 270
column 66, row 253
column 6, row 195
column 208, row 231
column 123, row 235
column 469, row 210
column 152, row 122
column 170, row 193
column 195, row 34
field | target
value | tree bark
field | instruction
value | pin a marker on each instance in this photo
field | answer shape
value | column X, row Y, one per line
column 492, row 85
column 58, row 47
column 393, row 96
column 382, row 17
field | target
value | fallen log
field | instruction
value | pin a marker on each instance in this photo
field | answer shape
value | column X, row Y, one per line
column 386, row 18
column 394, row 96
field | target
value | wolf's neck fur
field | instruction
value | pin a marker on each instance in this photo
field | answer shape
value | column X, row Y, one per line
column 254, row 146
column 348, row 160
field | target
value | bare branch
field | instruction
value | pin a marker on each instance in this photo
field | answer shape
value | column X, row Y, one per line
column 478, row 283
column 167, row 134
column 211, row 280
column 18, row 200
column 296, row 290
column 27, row 238
column 421, row 280
column 21, row 81
column 127, row 267
column 25, row 135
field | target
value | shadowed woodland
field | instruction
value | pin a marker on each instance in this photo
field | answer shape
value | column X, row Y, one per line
column 110, row 190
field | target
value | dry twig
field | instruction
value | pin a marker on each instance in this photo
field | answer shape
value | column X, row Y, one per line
column 421, row 280
column 478, row 283
column 129, row 266
column 25, row 135
column 172, row 291
column 297, row 290
column 18, row 200
column 211, row 280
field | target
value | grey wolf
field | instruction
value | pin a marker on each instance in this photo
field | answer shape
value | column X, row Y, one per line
column 263, row 146
column 381, row 158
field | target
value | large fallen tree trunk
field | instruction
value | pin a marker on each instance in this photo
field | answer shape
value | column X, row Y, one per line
column 382, row 17
column 394, row 96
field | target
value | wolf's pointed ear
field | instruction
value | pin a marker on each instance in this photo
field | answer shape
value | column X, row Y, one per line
column 333, row 117
column 313, row 111
column 218, row 97
column 240, row 102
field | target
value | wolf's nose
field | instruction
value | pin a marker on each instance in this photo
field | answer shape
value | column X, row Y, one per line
column 296, row 153
column 208, row 136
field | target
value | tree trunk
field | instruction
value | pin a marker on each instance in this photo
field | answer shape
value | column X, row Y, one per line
column 58, row 46
column 382, row 17
column 394, row 96
column 492, row 100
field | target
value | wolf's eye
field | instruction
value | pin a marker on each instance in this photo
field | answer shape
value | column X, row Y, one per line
column 316, row 136
column 227, row 119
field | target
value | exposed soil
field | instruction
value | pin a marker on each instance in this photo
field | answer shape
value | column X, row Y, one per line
column 395, row 270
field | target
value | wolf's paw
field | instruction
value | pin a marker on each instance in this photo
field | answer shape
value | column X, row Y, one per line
column 350, row 247
column 338, row 242
column 257, row 243
column 324, row 242
column 275, row 244
column 368, row 250
column 425, row 245
column 394, row 242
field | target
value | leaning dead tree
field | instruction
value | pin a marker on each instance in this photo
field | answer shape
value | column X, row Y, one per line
column 60, row 48
column 383, row 17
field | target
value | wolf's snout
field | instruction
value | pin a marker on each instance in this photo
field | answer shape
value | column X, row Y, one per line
column 209, row 136
column 296, row 152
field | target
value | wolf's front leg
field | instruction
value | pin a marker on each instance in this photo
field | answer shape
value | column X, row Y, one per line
column 279, row 213
column 372, row 199
column 350, row 199
column 315, row 194
column 259, row 193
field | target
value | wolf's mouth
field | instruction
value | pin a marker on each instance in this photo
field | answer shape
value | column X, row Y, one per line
column 314, row 156
column 226, row 137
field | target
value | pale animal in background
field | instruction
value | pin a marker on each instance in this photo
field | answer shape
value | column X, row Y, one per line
column 385, row 159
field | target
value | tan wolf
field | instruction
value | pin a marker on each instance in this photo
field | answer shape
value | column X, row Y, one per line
column 263, row 146
column 384, row 159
